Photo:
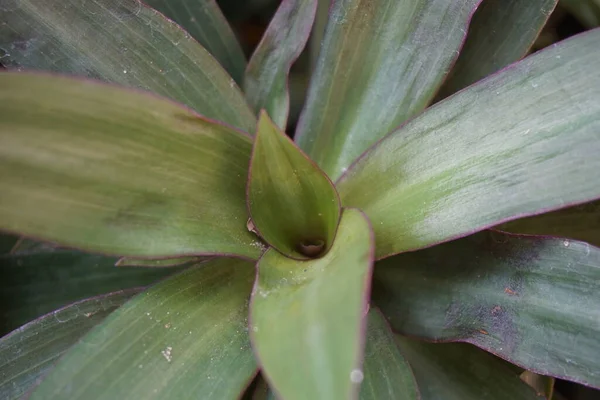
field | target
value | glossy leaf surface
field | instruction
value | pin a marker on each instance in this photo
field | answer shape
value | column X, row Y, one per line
column 459, row 371
column 580, row 222
column 380, row 64
column 29, row 352
column 205, row 22
column 292, row 203
column 387, row 374
column 266, row 78
column 124, row 42
column 118, row 171
column 532, row 301
column 314, row 351
column 523, row 141
column 501, row 32
column 35, row 284
column 185, row 338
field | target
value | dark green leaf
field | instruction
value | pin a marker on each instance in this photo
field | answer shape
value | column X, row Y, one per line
column 111, row 170
column 501, row 32
column 580, row 222
column 533, row 301
column 36, row 284
column 307, row 316
column 380, row 64
column 29, row 352
column 124, row 42
column 293, row 205
column 523, row 141
column 459, row 371
column 7, row 242
column 586, row 11
column 205, row 22
column 185, row 338
column 387, row 373
column 266, row 79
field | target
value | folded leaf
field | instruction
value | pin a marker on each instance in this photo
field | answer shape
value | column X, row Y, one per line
column 307, row 316
column 292, row 203
column 530, row 300
column 111, row 170
column 29, row 352
column 380, row 64
column 386, row 371
column 500, row 33
column 205, row 22
column 35, row 284
column 521, row 142
column 580, row 222
column 266, row 78
column 185, row 338
column 124, row 42
column 459, row 371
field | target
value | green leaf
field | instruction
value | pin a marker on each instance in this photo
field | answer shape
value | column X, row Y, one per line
column 459, row 371
column 307, row 316
column 35, row 284
column 29, row 352
column 185, row 338
column 293, row 205
column 530, row 300
column 7, row 243
column 521, row 142
column 266, row 78
column 386, row 371
column 124, row 42
column 111, row 170
column 380, row 64
column 587, row 12
column 543, row 385
column 580, row 222
column 159, row 263
column 501, row 32
column 206, row 23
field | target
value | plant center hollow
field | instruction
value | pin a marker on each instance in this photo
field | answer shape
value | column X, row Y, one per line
column 311, row 247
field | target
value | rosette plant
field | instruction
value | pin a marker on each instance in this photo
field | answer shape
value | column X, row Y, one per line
column 330, row 266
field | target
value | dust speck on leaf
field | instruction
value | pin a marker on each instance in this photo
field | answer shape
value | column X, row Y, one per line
column 167, row 353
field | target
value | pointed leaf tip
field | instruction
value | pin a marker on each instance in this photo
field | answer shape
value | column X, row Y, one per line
column 293, row 204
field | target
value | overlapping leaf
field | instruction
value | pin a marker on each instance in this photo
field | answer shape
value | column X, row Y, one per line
column 523, row 141
column 117, row 171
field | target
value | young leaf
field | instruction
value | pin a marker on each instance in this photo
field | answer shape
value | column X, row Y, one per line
column 380, row 64
column 459, row 371
column 314, row 350
column 521, row 142
column 387, row 373
column 530, row 300
column 30, row 351
column 501, row 32
column 205, row 22
column 37, row 283
column 117, row 171
column 292, row 203
column 179, row 340
column 580, row 222
column 124, row 42
column 266, row 79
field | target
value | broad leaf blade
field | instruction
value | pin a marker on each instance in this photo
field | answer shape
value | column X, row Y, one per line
column 124, row 42
column 521, row 142
column 459, row 371
column 266, row 78
column 36, row 284
column 160, row 262
column 501, row 32
column 533, row 301
column 314, row 350
column 387, row 373
column 205, row 22
column 580, row 222
column 380, row 64
column 185, row 338
column 119, row 171
column 29, row 352
column 291, row 201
